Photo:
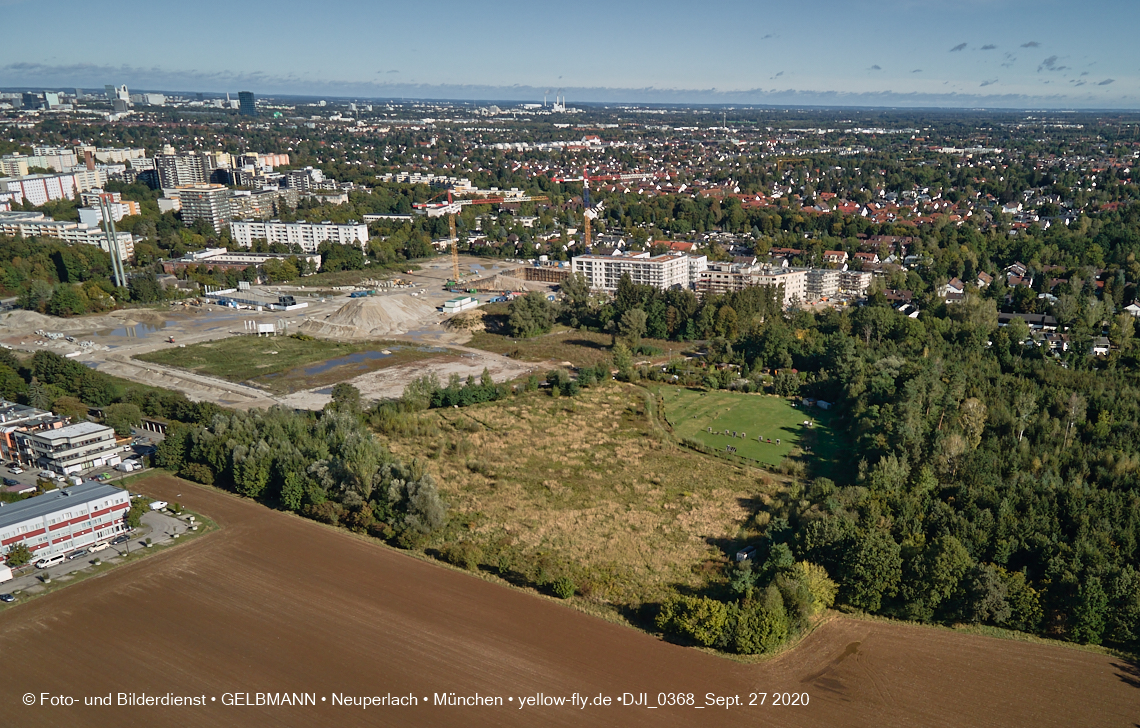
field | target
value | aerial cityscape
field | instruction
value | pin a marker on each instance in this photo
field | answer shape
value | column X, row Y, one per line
column 798, row 393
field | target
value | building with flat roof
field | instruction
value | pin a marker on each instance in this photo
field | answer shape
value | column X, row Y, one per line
column 245, row 104
column 70, row 449
column 721, row 278
column 308, row 235
column 220, row 258
column 671, row 270
column 209, row 202
column 61, row 520
column 22, row 418
column 36, row 224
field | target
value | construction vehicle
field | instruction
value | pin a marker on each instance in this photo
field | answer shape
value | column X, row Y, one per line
column 170, row 339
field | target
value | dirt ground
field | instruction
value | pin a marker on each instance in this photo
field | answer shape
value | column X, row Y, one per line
column 274, row 603
column 109, row 342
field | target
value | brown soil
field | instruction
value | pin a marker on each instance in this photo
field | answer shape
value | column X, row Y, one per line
column 274, row 603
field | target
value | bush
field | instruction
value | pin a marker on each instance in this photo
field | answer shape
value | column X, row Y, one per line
column 700, row 619
column 762, row 625
column 564, row 587
column 199, row 473
column 464, row 554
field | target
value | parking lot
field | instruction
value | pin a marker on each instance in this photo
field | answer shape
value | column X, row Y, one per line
column 159, row 527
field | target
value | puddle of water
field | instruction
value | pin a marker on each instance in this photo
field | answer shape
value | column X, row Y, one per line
column 131, row 332
column 325, row 390
column 357, row 358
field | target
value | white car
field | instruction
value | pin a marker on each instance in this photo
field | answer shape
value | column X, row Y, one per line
column 15, row 470
column 98, row 547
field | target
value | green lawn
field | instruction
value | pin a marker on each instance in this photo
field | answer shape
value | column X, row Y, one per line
column 692, row 412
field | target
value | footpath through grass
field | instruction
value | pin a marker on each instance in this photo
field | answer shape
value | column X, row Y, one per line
column 751, row 416
column 284, row 364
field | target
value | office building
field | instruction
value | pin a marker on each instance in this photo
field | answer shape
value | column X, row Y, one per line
column 70, row 449
column 209, row 202
column 22, row 418
column 245, row 104
column 308, row 235
column 65, row 519
column 672, row 270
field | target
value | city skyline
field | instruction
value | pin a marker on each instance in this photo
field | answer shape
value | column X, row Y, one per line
column 958, row 53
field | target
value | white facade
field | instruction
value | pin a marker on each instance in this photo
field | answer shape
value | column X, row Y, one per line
column 36, row 224
column 62, row 520
column 822, row 283
column 93, row 216
column 70, row 449
column 672, row 270
column 308, row 235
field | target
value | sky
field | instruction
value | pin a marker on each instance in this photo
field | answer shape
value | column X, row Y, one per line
column 932, row 53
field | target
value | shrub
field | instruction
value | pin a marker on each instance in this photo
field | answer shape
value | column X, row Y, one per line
column 464, row 554
column 762, row 625
column 564, row 587
column 700, row 619
column 199, row 473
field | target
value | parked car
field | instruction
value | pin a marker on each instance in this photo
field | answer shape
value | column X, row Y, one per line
column 50, row 561
column 7, row 598
column 117, row 540
column 15, row 470
column 77, row 554
column 11, row 481
column 97, row 547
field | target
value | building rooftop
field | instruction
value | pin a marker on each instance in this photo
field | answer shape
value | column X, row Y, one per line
column 77, row 430
column 50, row 502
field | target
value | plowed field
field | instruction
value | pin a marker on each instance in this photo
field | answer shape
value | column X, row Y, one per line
column 272, row 604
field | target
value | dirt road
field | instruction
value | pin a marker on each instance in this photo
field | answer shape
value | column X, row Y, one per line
column 273, row 603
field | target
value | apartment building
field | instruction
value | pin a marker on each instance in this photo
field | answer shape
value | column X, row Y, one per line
column 822, row 283
column 209, row 202
column 720, row 278
column 308, row 235
column 855, row 282
column 671, row 270
column 36, row 224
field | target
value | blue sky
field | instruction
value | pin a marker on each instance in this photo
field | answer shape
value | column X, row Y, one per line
column 958, row 53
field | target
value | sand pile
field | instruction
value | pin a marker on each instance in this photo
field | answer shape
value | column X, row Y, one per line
column 373, row 316
column 27, row 322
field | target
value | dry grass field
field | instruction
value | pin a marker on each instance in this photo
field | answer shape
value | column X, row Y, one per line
column 593, row 483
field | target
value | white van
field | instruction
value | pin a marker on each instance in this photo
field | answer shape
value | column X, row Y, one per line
column 51, row 561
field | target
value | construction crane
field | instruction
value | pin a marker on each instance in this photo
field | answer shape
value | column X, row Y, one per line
column 452, row 206
column 588, row 212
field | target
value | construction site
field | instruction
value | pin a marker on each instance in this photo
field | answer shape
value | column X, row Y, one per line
column 412, row 312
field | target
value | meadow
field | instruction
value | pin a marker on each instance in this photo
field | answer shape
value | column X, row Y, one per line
column 595, row 485
column 692, row 412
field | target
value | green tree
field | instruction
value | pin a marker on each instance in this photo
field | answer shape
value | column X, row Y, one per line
column 761, row 626
column 71, row 408
column 631, row 327
column 872, row 568
column 19, row 555
column 700, row 619
column 122, row 417
column 530, row 315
